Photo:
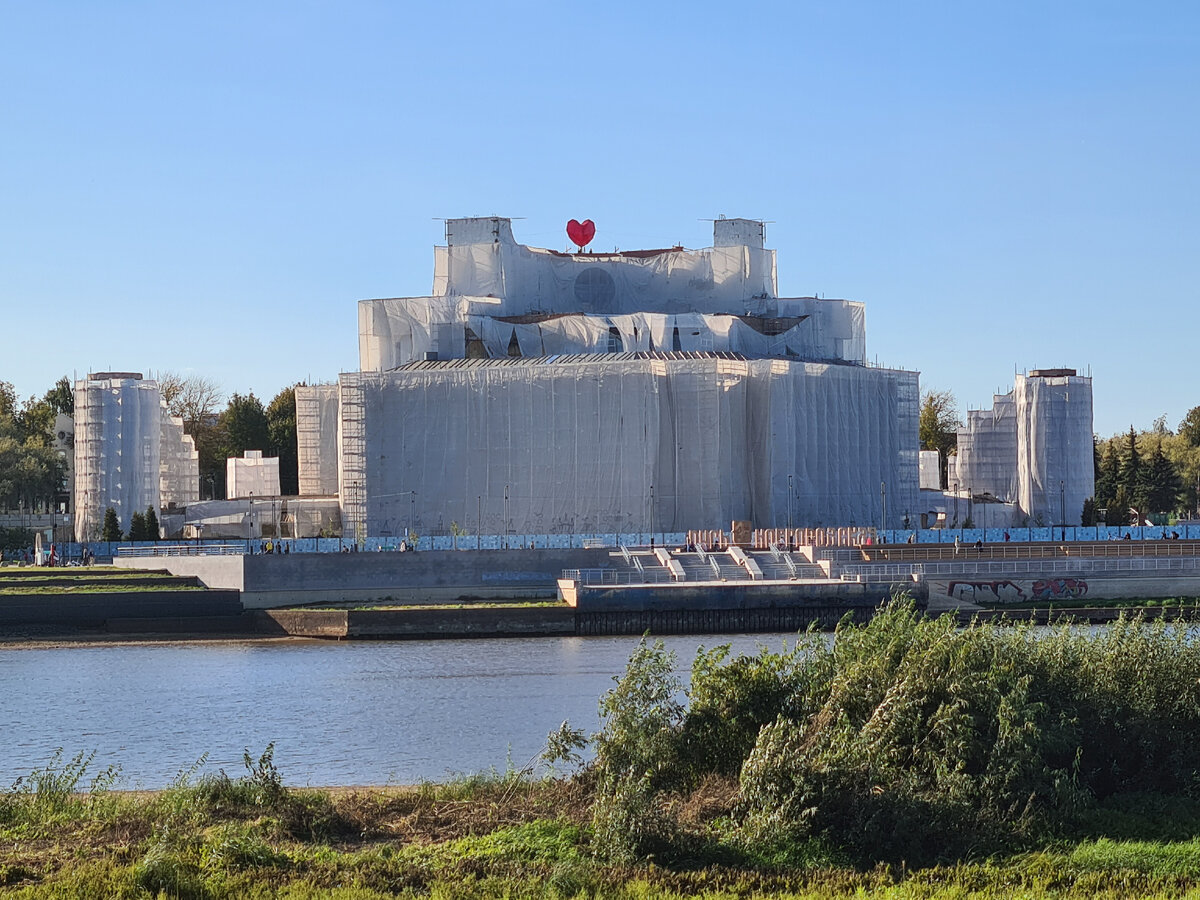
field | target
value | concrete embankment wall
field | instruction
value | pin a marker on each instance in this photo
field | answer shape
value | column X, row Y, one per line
column 95, row 610
column 1053, row 587
column 725, row 596
column 418, row 623
column 223, row 572
column 433, row 576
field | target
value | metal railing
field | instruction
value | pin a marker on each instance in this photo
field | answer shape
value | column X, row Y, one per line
column 1075, row 565
column 616, row 576
column 233, row 548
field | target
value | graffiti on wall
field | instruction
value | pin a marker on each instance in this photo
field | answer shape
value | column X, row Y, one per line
column 1059, row 588
column 986, row 591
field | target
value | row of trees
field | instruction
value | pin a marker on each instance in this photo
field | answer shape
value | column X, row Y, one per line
column 1139, row 474
column 243, row 424
column 32, row 474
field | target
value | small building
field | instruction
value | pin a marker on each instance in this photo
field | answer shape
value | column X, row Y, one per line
column 252, row 475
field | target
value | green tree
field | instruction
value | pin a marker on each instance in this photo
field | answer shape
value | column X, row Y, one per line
column 1189, row 428
column 112, row 527
column 8, row 401
column 153, row 532
column 1129, row 472
column 1159, row 484
column 281, row 433
column 35, row 422
column 137, row 527
column 938, row 426
column 1108, row 474
column 1120, row 508
column 1088, row 517
column 245, row 424
column 61, row 397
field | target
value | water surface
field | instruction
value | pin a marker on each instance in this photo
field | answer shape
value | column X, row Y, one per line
column 339, row 713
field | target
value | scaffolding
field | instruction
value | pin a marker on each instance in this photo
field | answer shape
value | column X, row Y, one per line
column 316, row 439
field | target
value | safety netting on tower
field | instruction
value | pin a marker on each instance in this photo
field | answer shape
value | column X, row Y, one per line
column 1055, row 469
column 118, row 435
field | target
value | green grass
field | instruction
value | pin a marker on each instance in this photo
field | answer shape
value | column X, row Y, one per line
column 65, row 833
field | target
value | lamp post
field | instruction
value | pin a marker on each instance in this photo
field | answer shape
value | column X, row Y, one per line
column 650, row 518
column 249, row 521
column 789, row 506
column 956, row 503
column 883, row 503
column 1062, row 507
column 478, row 520
column 506, row 517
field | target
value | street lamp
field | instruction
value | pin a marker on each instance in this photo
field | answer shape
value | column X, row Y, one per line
column 249, row 521
column 883, row 503
column 478, row 520
column 1062, row 507
column 789, row 506
column 956, row 503
column 506, row 517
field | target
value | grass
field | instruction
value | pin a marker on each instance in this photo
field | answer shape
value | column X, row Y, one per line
column 65, row 833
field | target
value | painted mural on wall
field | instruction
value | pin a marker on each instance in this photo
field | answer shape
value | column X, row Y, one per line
column 1059, row 589
column 997, row 591
column 986, row 591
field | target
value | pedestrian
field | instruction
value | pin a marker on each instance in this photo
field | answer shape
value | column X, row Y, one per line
column 1006, row 536
column 957, row 545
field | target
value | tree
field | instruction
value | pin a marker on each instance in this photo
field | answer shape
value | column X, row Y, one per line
column 281, row 433
column 245, row 424
column 112, row 527
column 197, row 400
column 1129, row 472
column 1088, row 517
column 153, row 532
column 1120, row 508
column 1107, row 474
column 8, row 401
column 1189, row 428
column 61, row 397
column 137, row 527
column 1159, row 483
column 938, row 426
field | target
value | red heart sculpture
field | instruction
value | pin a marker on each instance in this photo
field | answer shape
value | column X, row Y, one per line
column 581, row 233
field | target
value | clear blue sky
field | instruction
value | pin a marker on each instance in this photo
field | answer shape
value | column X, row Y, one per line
column 210, row 187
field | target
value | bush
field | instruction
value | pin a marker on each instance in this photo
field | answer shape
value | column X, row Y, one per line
column 906, row 738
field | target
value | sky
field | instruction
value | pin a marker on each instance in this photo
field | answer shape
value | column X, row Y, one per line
column 210, row 188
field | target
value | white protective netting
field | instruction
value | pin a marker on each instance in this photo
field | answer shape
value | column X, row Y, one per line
column 987, row 450
column 316, row 439
column 397, row 331
column 179, row 473
column 118, row 436
column 1054, row 443
column 626, row 443
column 483, row 259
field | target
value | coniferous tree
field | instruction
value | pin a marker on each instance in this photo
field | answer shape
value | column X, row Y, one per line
column 1107, row 475
column 1159, row 483
column 137, row 527
column 1131, row 465
column 112, row 527
column 1119, row 508
column 153, row 532
column 1088, row 517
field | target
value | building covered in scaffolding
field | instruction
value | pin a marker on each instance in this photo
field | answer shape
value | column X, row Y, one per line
column 130, row 454
column 537, row 391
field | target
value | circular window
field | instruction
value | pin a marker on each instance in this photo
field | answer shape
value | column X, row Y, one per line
column 595, row 290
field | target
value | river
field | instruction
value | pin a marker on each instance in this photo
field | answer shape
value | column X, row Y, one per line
column 357, row 713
